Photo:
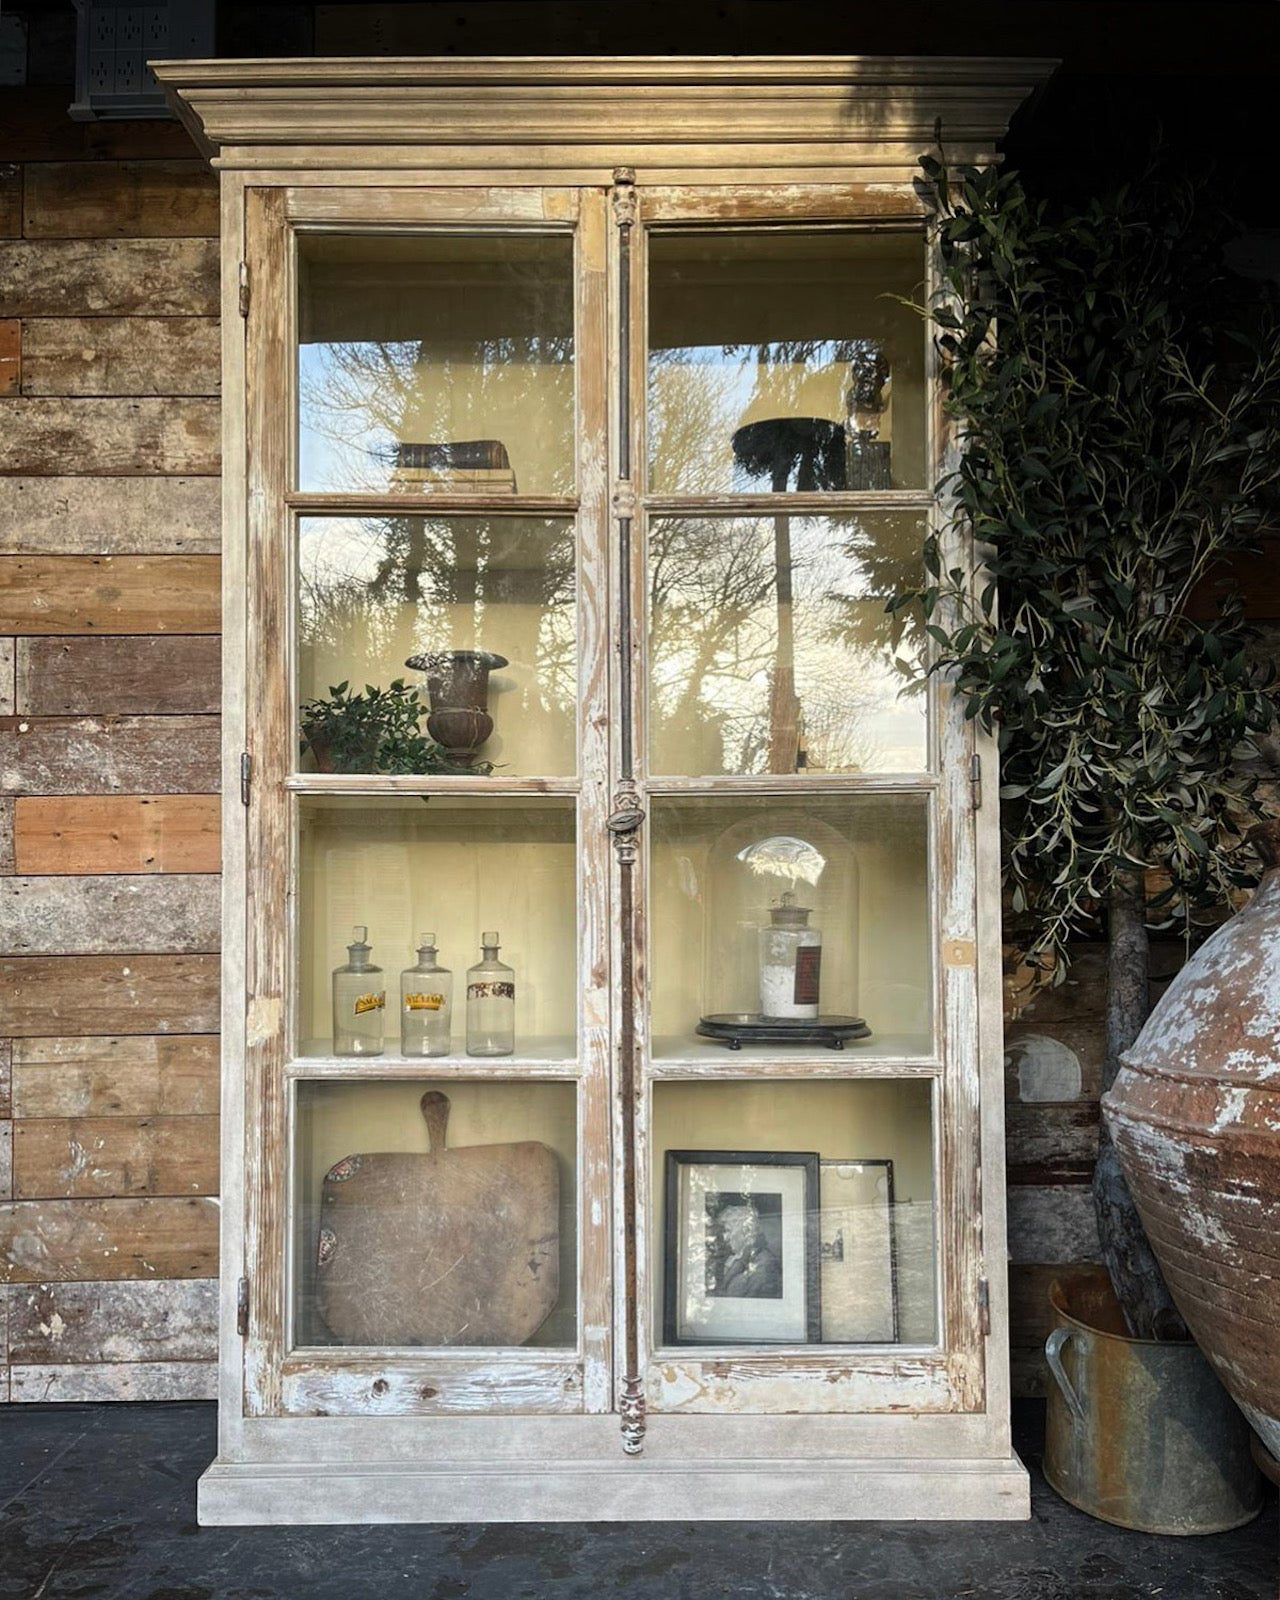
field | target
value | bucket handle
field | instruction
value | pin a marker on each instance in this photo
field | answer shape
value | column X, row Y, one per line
column 1053, row 1347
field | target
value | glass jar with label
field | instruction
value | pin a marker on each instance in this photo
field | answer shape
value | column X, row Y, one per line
column 491, row 1003
column 426, row 994
column 359, row 1001
column 790, row 963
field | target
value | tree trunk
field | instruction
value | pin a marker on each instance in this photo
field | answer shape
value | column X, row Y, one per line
column 1135, row 1273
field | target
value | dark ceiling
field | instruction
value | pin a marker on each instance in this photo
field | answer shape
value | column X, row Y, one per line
column 1199, row 75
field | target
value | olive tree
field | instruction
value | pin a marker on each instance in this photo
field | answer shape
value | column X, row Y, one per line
column 1116, row 395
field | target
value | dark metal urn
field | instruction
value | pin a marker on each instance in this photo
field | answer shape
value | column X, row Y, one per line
column 458, row 693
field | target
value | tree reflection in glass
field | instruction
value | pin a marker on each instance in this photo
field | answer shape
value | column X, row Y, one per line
column 715, row 701
column 409, row 343
column 373, row 591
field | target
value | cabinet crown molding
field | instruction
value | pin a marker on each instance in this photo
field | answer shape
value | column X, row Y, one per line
column 867, row 114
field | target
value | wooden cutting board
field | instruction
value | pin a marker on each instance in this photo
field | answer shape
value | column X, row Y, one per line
column 452, row 1247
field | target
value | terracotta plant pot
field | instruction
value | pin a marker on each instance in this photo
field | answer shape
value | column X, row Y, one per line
column 1195, row 1115
column 458, row 694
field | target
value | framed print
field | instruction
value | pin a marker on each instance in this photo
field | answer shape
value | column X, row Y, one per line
column 741, row 1256
column 859, row 1260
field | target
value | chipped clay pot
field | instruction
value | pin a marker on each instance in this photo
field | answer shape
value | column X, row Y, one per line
column 1195, row 1115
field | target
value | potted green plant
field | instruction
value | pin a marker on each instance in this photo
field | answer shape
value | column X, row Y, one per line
column 1116, row 396
column 377, row 730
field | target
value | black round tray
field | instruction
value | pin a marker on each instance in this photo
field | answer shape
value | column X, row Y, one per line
column 736, row 1028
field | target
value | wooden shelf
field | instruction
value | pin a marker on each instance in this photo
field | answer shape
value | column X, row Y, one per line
column 554, row 1056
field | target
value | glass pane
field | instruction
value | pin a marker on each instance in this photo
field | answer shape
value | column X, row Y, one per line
column 771, row 649
column 731, row 957
column 402, row 1242
column 432, row 361
column 483, row 605
column 785, row 361
column 404, row 867
column 794, row 1213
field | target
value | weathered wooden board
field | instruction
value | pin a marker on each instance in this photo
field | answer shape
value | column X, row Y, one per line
column 5, row 1292
column 157, row 1075
column 1050, row 1144
column 8, row 677
column 119, row 199
column 109, row 594
column 112, row 755
column 6, row 1160
column 124, row 1380
column 144, row 912
column 1028, row 1373
column 68, row 1324
column 108, row 994
column 130, row 676
column 1082, row 996
column 452, row 1247
column 91, row 1241
column 104, row 1157
column 112, row 437
column 6, row 1077
column 34, row 126
column 1053, row 1223
column 119, row 356
column 1030, row 1315
column 109, row 277
column 10, row 200
column 116, row 833
column 10, row 356
column 6, row 833
column 109, row 516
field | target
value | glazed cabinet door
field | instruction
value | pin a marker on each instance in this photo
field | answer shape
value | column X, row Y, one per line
column 807, row 1144
column 427, row 1060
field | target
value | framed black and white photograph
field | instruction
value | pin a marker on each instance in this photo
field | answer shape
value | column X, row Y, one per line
column 741, row 1247
column 859, row 1261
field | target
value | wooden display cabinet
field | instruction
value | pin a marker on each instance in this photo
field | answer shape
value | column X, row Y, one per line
column 609, row 369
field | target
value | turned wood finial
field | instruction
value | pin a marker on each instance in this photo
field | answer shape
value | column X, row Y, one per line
column 1265, row 839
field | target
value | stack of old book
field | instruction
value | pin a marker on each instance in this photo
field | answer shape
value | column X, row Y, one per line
column 478, row 466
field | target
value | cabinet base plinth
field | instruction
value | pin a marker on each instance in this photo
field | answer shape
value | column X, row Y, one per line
column 238, row 1494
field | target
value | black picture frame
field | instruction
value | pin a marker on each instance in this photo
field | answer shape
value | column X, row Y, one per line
column 741, row 1253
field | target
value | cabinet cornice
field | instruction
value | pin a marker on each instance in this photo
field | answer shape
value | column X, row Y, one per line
column 873, row 113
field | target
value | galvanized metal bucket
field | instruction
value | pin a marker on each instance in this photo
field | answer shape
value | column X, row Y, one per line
column 1140, row 1432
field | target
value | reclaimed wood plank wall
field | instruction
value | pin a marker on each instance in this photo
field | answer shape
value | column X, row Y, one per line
column 109, row 540
column 109, row 851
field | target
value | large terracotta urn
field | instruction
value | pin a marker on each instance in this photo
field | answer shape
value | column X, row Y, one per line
column 1195, row 1115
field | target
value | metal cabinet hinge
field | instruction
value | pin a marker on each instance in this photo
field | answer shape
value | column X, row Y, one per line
column 984, row 1306
column 244, row 288
column 975, row 781
column 242, row 1308
column 246, row 776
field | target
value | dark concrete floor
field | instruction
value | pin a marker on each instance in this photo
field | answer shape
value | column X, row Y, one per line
column 100, row 1501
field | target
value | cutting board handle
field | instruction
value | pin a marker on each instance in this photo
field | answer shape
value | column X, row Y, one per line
column 435, row 1108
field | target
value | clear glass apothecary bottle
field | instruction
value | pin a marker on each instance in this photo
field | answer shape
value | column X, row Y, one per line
column 790, row 963
column 359, row 1001
column 491, row 1003
column 426, row 1008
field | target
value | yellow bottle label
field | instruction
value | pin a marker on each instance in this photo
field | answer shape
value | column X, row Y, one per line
column 423, row 1002
column 369, row 1002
